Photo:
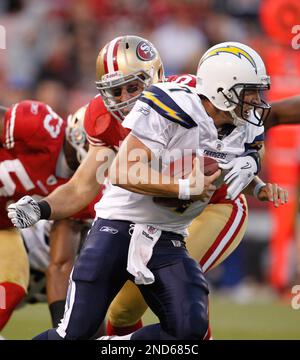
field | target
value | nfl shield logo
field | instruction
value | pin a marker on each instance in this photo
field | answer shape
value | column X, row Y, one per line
column 219, row 145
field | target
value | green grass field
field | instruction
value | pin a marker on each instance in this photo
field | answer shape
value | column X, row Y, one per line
column 229, row 320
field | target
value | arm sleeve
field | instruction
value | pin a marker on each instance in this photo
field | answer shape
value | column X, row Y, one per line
column 101, row 127
column 94, row 116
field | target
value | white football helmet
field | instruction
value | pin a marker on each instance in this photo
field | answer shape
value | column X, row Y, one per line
column 122, row 60
column 226, row 72
column 75, row 133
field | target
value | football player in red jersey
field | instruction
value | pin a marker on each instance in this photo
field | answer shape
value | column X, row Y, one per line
column 124, row 67
column 38, row 152
column 32, row 136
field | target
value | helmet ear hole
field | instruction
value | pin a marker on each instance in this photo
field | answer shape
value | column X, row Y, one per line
column 160, row 73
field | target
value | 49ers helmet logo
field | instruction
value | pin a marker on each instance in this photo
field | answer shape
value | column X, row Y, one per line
column 145, row 51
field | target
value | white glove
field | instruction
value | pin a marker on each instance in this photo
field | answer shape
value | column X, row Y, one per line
column 24, row 213
column 242, row 171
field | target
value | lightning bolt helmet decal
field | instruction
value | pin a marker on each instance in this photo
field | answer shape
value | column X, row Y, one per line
column 234, row 50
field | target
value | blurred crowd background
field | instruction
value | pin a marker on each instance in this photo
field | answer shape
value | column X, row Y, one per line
column 51, row 50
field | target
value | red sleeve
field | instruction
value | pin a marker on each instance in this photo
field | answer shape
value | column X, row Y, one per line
column 185, row 79
column 31, row 124
column 101, row 127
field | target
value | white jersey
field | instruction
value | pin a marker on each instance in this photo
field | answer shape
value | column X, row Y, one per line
column 171, row 117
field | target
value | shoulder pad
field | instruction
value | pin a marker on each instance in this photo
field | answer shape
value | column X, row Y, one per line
column 157, row 98
column 32, row 123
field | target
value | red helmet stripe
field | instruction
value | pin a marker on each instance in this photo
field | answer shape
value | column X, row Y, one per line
column 112, row 49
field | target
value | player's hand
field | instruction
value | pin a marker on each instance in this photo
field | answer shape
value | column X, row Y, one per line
column 273, row 193
column 201, row 186
column 242, row 171
column 24, row 213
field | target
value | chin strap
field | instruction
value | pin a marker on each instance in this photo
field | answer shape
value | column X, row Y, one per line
column 236, row 120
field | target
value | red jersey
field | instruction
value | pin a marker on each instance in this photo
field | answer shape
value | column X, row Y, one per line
column 184, row 79
column 32, row 141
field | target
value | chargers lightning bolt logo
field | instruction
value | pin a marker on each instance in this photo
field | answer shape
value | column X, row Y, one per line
column 163, row 104
column 153, row 97
column 234, row 50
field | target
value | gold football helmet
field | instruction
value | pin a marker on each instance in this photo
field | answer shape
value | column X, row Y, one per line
column 124, row 60
column 75, row 133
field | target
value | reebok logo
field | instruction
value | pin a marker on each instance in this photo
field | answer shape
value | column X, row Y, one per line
column 109, row 229
column 147, row 235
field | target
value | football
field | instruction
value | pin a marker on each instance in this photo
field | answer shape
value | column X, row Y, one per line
column 210, row 165
column 182, row 168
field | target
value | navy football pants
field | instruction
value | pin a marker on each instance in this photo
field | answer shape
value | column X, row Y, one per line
column 179, row 295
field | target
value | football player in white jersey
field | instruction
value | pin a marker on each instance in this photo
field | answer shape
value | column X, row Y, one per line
column 227, row 98
column 168, row 117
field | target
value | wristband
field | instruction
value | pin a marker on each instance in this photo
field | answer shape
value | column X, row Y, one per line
column 257, row 188
column 45, row 209
column 184, row 189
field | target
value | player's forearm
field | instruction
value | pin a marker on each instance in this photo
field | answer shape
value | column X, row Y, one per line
column 83, row 187
column 255, row 183
column 69, row 199
column 286, row 111
column 131, row 170
column 147, row 182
